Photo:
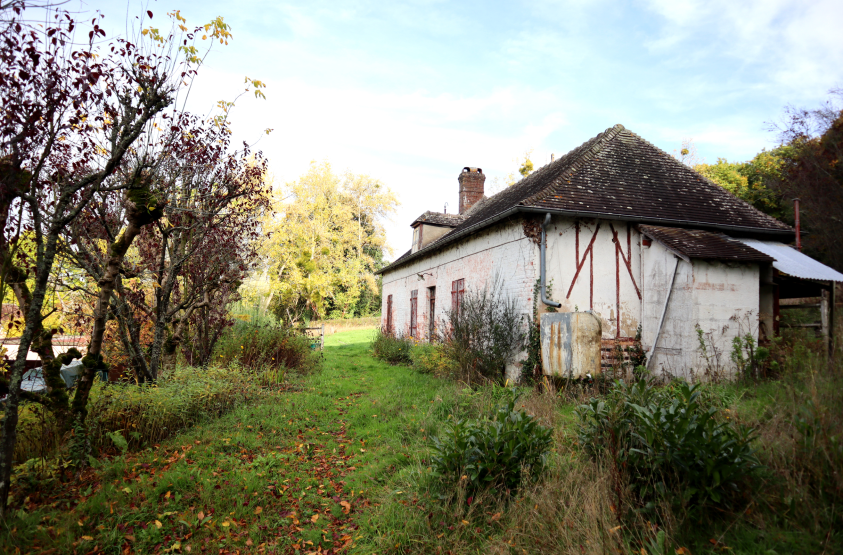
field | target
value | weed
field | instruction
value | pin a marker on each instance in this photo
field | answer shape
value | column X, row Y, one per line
column 392, row 348
column 484, row 335
column 430, row 358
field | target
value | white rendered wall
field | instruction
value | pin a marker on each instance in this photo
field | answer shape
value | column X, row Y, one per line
column 604, row 284
column 502, row 250
column 722, row 298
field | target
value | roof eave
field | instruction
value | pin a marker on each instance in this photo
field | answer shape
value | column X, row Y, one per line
column 645, row 220
column 452, row 237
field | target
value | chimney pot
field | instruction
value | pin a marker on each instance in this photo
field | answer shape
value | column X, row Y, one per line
column 472, row 182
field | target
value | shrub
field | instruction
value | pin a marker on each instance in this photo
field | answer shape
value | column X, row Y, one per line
column 392, row 348
column 259, row 347
column 430, row 358
column 484, row 334
column 498, row 452
column 668, row 443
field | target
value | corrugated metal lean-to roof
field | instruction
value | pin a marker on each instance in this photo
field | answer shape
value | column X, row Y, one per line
column 792, row 262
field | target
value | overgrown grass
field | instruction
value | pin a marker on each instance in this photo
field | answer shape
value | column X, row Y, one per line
column 247, row 359
column 348, row 324
column 342, row 459
column 143, row 414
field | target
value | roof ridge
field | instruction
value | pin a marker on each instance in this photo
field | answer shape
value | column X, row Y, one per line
column 708, row 181
column 579, row 161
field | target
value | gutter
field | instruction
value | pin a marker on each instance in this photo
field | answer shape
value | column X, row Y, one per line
column 448, row 239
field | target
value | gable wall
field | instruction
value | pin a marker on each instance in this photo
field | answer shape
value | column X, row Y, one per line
column 604, row 283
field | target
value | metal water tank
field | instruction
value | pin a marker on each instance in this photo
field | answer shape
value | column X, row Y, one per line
column 570, row 344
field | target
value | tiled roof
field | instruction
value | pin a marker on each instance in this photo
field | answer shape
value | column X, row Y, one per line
column 695, row 243
column 439, row 218
column 619, row 175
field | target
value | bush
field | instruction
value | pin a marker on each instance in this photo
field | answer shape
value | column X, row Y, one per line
column 259, row 347
column 391, row 347
column 499, row 452
column 669, row 445
column 484, row 334
column 430, row 358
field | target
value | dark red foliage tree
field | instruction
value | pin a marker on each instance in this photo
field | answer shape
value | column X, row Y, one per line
column 71, row 108
column 189, row 262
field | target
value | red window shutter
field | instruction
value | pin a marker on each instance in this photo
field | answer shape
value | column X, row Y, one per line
column 389, row 314
column 457, row 291
column 414, row 297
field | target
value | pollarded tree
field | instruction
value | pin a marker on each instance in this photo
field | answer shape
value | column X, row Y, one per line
column 70, row 111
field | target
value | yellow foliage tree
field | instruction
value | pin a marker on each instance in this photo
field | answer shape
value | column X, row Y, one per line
column 324, row 242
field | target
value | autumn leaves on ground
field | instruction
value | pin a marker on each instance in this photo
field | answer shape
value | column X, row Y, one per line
column 292, row 471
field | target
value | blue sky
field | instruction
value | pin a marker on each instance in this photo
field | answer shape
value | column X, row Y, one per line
column 410, row 92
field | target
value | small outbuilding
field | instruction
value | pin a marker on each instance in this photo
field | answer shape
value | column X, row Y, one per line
column 633, row 236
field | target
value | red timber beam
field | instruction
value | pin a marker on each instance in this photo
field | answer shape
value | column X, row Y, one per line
column 619, row 255
column 580, row 262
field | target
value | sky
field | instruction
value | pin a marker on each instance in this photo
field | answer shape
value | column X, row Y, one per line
column 411, row 92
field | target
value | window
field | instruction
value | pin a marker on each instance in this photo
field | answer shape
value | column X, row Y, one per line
column 431, row 314
column 389, row 314
column 457, row 292
column 414, row 312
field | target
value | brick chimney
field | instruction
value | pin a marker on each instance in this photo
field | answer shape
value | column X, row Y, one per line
column 471, row 187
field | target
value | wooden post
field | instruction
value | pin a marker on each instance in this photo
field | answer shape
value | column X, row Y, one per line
column 824, row 318
column 832, row 307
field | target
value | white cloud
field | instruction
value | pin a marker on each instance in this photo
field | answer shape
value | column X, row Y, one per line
column 795, row 44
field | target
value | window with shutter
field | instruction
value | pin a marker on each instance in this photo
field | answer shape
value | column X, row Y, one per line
column 431, row 314
column 414, row 297
column 457, row 293
column 389, row 314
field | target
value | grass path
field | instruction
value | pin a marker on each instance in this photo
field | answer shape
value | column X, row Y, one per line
column 290, row 473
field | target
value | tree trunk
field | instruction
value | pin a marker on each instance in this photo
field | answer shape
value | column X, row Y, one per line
column 130, row 334
column 10, row 420
column 142, row 208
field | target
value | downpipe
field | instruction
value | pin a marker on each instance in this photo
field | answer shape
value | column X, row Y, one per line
column 543, row 266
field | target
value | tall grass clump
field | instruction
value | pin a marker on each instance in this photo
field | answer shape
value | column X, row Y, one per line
column 143, row 414
column 392, row 347
column 485, row 333
column 800, row 425
column 257, row 347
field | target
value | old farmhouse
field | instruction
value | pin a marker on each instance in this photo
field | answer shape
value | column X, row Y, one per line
column 633, row 236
